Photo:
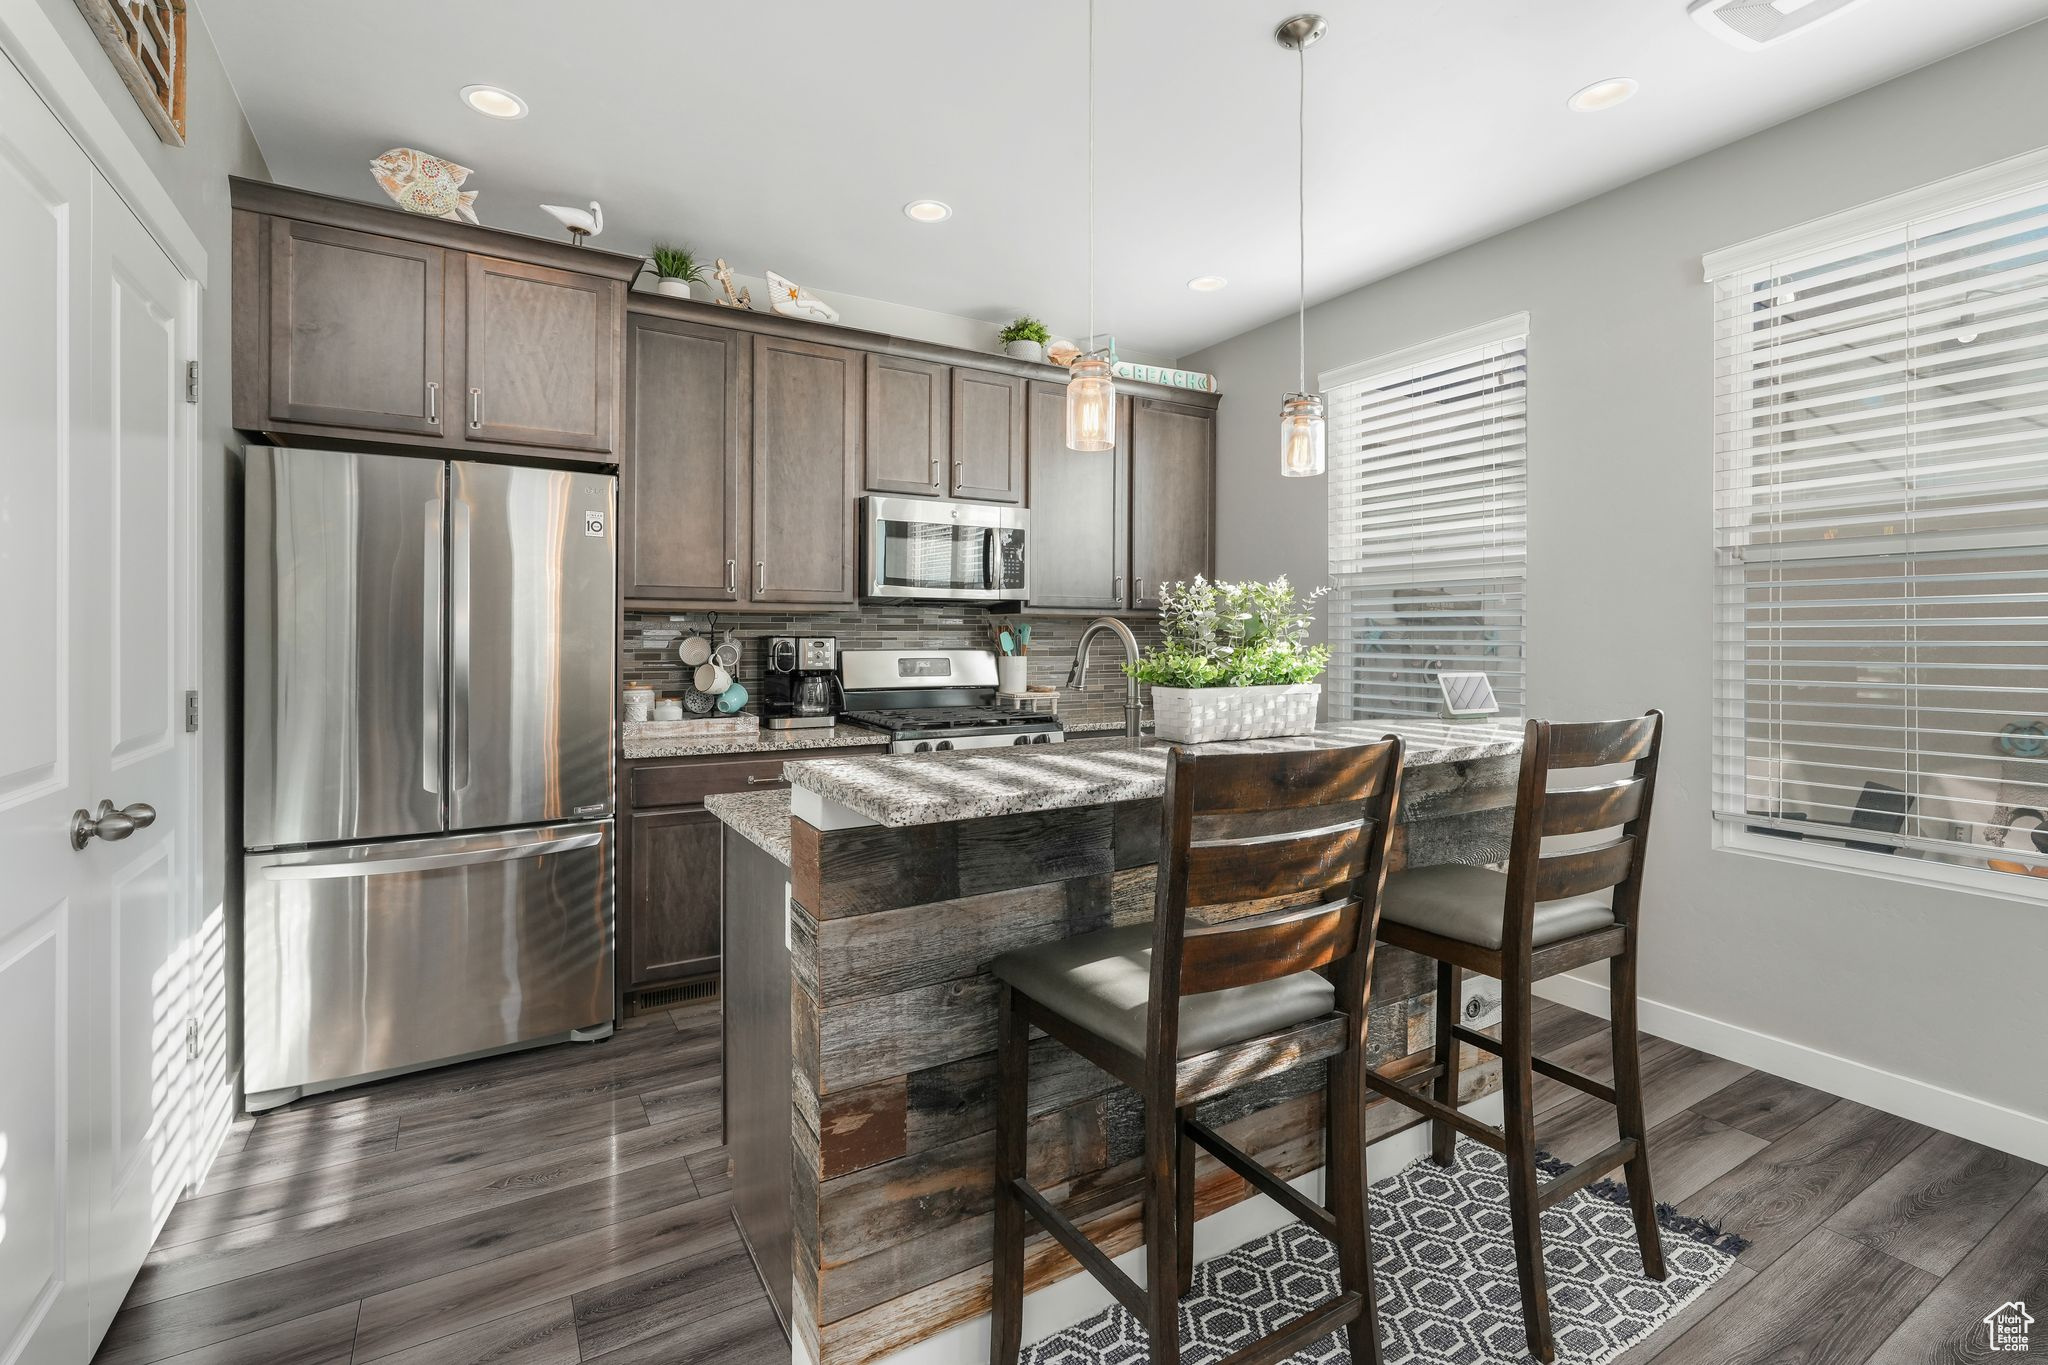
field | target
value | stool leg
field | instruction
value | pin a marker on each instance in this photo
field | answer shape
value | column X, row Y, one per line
column 1443, row 1139
column 1162, row 1234
column 1517, row 1081
column 1628, row 1109
column 1184, row 1198
column 1344, row 1172
column 1006, row 1290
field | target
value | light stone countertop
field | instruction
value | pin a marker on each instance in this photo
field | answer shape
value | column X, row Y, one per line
column 933, row 788
column 761, row 818
column 675, row 739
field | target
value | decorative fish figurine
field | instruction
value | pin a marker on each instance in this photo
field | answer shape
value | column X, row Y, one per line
column 792, row 300
column 421, row 183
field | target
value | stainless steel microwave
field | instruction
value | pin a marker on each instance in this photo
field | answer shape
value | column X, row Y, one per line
column 926, row 549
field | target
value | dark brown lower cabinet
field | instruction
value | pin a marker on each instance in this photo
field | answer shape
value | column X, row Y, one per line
column 670, row 865
column 674, row 899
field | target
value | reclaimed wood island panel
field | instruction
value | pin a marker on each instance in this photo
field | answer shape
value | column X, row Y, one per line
column 908, row 875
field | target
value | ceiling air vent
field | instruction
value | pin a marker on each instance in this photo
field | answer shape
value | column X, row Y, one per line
column 1760, row 23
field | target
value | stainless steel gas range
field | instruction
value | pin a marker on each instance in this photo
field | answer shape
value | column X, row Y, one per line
column 935, row 699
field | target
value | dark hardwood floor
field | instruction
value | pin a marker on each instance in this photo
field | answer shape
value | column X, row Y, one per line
column 570, row 1205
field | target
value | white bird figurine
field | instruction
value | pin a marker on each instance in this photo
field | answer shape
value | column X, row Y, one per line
column 581, row 223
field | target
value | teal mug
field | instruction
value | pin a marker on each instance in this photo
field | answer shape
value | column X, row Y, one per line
column 732, row 699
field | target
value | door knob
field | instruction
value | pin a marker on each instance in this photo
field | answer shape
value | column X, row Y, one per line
column 110, row 824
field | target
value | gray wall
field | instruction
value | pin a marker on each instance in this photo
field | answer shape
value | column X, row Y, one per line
column 218, row 144
column 1940, row 986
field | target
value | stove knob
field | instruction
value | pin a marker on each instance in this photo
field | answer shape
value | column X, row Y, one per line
column 1021, row 739
column 922, row 746
column 1041, row 738
column 943, row 744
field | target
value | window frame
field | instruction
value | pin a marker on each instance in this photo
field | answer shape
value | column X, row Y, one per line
column 1839, row 237
column 1388, row 368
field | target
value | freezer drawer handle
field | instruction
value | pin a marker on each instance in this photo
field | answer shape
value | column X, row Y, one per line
column 429, row 862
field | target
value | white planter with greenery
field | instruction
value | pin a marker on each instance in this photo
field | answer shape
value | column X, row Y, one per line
column 1199, row 715
column 1024, row 339
column 1232, row 663
column 676, row 268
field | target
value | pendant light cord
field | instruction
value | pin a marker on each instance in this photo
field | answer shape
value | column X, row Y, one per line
column 1091, row 177
column 1300, row 213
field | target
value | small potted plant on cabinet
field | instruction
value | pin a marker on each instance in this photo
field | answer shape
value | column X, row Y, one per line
column 1024, row 339
column 1232, row 662
column 676, row 268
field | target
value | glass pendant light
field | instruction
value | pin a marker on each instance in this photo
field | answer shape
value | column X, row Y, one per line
column 1304, row 438
column 1091, row 390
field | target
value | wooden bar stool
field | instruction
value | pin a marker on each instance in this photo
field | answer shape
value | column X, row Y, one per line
column 1547, row 914
column 1184, row 1011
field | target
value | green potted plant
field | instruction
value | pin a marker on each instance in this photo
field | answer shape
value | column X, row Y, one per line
column 676, row 268
column 1233, row 662
column 1024, row 338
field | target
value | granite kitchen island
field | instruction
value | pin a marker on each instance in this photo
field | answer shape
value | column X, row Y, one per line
column 860, row 1019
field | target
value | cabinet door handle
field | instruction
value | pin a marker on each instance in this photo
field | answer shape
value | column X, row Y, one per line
column 1137, row 589
column 732, row 570
column 433, row 402
column 754, row 779
column 760, row 575
column 476, row 409
column 1118, row 593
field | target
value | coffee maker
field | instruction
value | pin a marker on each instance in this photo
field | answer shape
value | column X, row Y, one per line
column 801, row 688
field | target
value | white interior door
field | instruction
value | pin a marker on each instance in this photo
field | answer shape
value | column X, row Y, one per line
column 51, row 689
column 96, row 1110
column 144, row 1121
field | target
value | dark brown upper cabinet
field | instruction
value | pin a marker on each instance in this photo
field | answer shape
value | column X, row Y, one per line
column 1173, row 495
column 806, row 470
column 988, row 436
column 909, row 435
column 683, row 530
column 360, row 324
column 355, row 330
column 1080, row 509
column 540, row 354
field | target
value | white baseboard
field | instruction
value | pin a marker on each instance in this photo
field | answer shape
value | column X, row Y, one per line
column 1994, row 1125
column 1079, row 1297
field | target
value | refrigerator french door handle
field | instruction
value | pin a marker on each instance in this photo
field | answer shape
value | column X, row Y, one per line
column 458, row 645
column 430, row 652
column 429, row 862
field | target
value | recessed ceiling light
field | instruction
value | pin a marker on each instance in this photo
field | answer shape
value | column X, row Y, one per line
column 928, row 210
column 1207, row 284
column 489, row 99
column 1603, row 95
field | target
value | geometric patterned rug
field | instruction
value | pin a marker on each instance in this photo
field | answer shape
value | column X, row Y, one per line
column 1444, row 1275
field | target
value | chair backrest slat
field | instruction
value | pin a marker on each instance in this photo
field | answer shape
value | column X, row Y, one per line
column 1289, row 779
column 1594, row 744
column 1581, row 810
column 1216, row 957
column 1286, row 851
column 1260, row 866
column 1583, row 870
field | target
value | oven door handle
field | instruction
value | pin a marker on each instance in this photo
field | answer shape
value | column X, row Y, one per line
column 988, row 558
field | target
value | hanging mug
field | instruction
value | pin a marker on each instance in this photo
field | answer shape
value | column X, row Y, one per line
column 693, row 650
column 712, row 679
column 732, row 699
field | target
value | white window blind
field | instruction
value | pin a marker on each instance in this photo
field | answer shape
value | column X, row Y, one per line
column 1881, row 525
column 1428, row 522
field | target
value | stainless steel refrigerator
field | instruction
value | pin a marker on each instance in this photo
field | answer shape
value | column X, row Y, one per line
column 428, row 769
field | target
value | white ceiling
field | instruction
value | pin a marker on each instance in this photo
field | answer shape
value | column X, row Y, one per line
column 789, row 136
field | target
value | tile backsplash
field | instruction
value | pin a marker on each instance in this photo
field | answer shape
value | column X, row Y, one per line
column 649, row 648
